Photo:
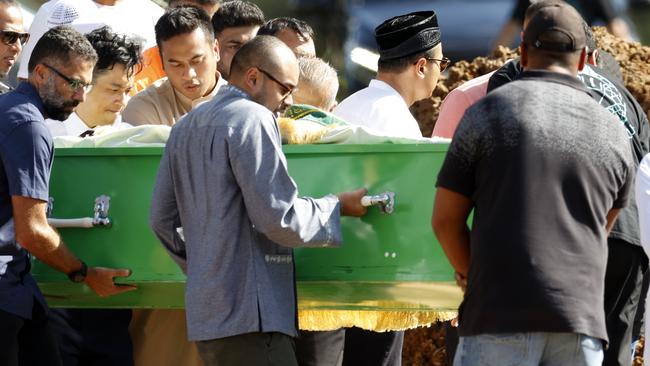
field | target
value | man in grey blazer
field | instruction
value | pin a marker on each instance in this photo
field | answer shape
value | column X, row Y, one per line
column 223, row 178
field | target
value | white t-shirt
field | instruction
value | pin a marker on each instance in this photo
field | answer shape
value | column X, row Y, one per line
column 74, row 126
column 381, row 108
column 131, row 17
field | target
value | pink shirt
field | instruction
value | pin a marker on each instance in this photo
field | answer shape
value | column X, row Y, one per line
column 456, row 103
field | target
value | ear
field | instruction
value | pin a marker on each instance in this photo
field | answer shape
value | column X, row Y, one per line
column 583, row 59
column 420, row 67
column 523, row 52
column 252, row 78
column 39, row 74
column 593, row 58
column 216, row 50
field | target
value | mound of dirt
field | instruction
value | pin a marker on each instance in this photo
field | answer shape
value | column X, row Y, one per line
column 633, row 58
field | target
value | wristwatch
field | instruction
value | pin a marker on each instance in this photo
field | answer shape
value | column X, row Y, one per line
column 79, row 275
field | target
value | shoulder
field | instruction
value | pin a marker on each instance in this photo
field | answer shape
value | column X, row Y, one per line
column 16, row 108
column 143, row 104
column 160, row 88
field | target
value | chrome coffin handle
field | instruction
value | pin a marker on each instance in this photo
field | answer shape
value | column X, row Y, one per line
column 385, row 201
column 100, row 218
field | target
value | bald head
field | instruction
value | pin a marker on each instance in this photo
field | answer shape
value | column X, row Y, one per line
column 267, row 69
column 266, row 52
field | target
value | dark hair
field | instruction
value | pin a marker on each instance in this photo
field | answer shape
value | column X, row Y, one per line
column 400, row 64
column 237, row 14
column 273, row 26
column 59, row 45
column 176, row 3
column 114, row 49
column 182, row 20
column 534, row 7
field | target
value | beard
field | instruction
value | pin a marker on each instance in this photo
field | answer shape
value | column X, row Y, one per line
column 271, row 105
column 54, row 105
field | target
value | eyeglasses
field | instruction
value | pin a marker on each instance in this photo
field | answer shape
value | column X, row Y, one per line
column 443, row 62
column 10, row 37
column 75, row 84
column 288, row 89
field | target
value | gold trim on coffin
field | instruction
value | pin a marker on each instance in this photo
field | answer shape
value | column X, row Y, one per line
column 411, row 305
column 378, row 321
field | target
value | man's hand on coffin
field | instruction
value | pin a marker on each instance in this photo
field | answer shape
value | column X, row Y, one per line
column 351, row 203
column 101, row 281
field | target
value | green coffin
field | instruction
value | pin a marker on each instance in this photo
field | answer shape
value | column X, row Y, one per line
column 389, row 262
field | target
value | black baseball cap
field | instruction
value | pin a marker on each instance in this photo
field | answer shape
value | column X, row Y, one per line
column 556, row 28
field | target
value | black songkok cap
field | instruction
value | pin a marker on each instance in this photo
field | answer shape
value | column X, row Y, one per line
column 556, row 28
column 407, row 34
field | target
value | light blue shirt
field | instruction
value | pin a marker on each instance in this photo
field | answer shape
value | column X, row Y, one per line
column 223, row 178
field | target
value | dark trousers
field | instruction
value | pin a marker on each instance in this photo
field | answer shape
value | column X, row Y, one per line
column 27, row 342
column 259, row 349
column 627, row 265
column 320, row 348
column 93, row 337
column 364, row 347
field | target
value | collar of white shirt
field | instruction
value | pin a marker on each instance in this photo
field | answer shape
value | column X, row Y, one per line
column 74, row 126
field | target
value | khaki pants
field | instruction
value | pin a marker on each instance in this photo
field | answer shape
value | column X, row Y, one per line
column 160, row 338
column 259, row 349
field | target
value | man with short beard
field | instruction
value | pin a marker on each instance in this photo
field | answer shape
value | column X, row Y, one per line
column 60, row 70
column 12, row 37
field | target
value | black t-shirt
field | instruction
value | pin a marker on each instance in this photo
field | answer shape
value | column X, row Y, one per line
column 591, row 10
column 614, row 97
column 543, row 165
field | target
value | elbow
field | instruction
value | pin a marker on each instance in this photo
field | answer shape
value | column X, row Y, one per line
column 438, row 223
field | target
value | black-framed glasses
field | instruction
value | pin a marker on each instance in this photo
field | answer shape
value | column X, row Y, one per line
column 443, row 63
column 10, row 37
column 75, row 84
column 288, row 89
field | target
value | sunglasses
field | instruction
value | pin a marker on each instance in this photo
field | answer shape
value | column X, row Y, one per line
column 75, row 84
column 443, row 63
column 288, row 90
column 10, row 37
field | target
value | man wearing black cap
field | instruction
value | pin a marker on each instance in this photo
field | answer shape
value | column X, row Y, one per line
column 410, row 62
column 546, row 170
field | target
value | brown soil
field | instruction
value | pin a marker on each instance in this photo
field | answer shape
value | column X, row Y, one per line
column 634, row 59
column 426, row 346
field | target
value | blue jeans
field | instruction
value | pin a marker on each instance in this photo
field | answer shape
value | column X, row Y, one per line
column 528, row 349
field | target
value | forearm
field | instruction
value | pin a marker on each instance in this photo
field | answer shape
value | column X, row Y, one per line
column 454, row 241
column 46, row 245
column 308, row 222
column 612, row 215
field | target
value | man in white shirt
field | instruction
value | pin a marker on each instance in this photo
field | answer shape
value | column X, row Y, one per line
column 119, row 58
column 98, row 335
column 410, row 62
